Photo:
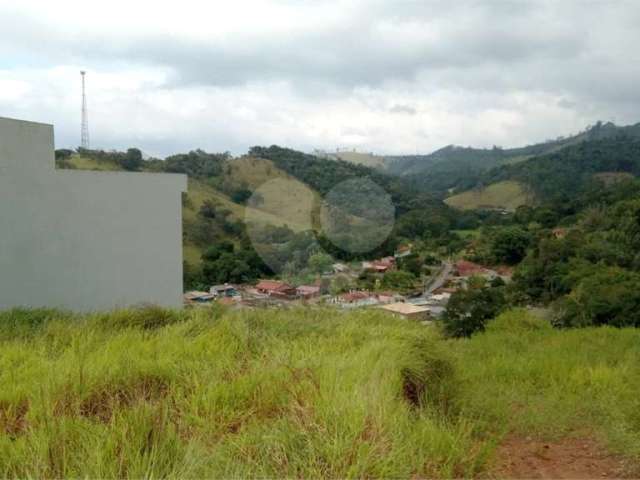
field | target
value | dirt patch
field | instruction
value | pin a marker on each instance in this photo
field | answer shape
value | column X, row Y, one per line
column 570, row 458
column 13, row 418
column 103, row 401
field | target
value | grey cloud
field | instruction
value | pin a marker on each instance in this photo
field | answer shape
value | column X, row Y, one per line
column 406, row 109
column 581, row 57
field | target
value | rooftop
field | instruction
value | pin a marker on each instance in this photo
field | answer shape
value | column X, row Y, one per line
column 405, row 308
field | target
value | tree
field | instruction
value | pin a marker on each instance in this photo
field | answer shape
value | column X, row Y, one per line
column 320, row 262
column 469, row 310
column 509, row 245
column 132, row 160
column 398, row 280
column 605, row 296
column 411, row 263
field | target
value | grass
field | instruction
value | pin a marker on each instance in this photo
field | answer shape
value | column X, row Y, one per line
column 507, row 194
column 86, row 163
column 298, row 393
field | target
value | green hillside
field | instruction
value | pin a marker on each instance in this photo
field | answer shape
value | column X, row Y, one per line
column 306, row 394
column 507, row 195
column 461, row 168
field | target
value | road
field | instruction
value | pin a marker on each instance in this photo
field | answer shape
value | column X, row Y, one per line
column 439, row 280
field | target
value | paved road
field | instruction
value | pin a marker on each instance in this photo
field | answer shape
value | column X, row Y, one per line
column 439, row 280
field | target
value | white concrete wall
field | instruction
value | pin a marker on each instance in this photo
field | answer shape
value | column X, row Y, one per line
column 84, row 240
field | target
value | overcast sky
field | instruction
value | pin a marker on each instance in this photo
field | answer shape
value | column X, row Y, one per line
column 389, row 76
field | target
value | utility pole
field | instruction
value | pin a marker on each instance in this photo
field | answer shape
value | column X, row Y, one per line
column 84, row 129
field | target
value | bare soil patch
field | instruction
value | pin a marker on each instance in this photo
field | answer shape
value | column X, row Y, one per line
column 569, row 458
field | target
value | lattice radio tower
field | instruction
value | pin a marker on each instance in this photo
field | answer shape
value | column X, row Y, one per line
column 84, row 129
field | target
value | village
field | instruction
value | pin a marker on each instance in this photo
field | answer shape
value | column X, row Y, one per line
column 423, row 304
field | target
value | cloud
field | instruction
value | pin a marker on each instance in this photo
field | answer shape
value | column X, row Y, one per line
column 404, row 75
column 406, row 109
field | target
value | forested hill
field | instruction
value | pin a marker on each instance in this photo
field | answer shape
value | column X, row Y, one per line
column 561, row 175
column 461, row 168
column 324, row 174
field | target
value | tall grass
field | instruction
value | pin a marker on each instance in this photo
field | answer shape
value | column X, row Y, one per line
column 301, row 393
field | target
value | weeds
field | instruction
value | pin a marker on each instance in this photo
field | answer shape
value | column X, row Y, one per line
column 302, row 393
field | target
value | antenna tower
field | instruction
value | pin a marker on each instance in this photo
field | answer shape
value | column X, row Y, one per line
column 84, row 129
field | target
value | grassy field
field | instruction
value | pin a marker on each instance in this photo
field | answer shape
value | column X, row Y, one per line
column 508, row 195
column 299, row 393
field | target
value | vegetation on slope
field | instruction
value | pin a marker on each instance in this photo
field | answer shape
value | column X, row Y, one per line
column 304, row 393
column 562, row 175
column 507, row 195
column 459, row 168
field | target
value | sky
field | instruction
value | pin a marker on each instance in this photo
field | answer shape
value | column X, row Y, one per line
column 390, row 77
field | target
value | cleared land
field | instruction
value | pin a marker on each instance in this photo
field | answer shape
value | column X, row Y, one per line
column 507, row 195
column 307, row 393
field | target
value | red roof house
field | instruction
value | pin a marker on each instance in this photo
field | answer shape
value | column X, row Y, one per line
column 276, row 288
column 308, row 291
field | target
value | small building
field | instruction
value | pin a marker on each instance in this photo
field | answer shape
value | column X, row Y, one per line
column 276, row 288
column 407, row 310
column 195, row 296
column 307, row 292
column 225, row 290
column 356, row 299
column 381, row 265
column 403, row 251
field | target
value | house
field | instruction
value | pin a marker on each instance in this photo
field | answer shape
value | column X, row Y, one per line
column 407, row 310
column 307, row 292
column 198, row 297
column 356, row 299
column 276, row 288
column 225, row 290
column 403, row 251
column 381, row 265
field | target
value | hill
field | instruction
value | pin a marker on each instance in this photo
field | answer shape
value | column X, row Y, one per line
column 561, row 175
column 461, row 168
column 506, row 195
column 358, row 158
column 310, row 394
